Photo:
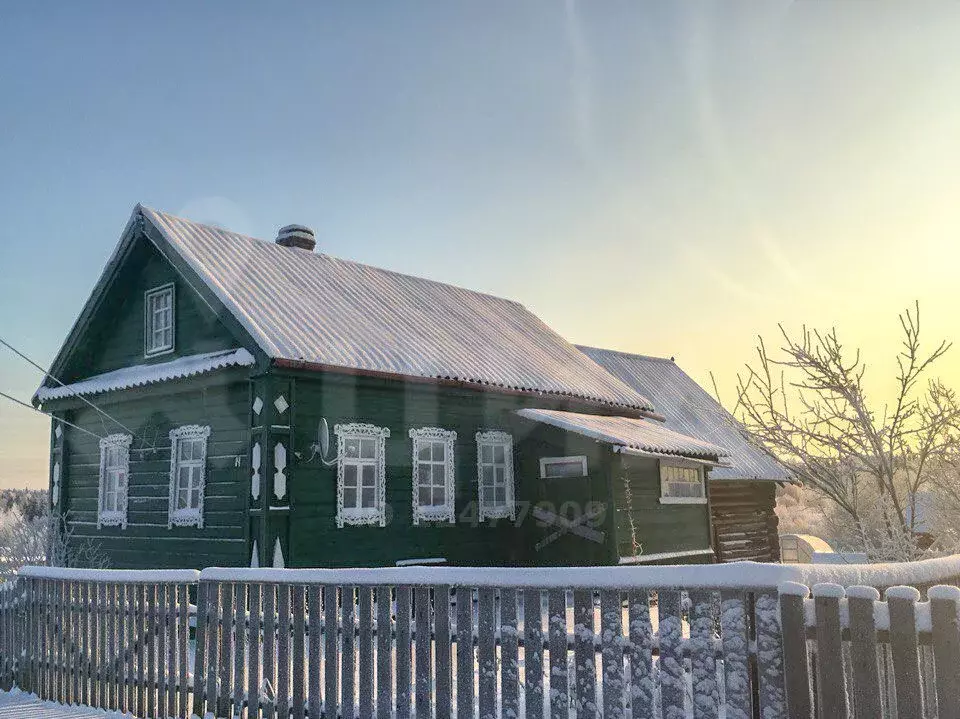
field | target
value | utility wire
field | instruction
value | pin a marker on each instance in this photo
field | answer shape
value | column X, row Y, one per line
column 30, row 406
column 22, row 356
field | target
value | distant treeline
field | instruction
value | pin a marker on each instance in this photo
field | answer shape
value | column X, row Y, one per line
column 28, row 503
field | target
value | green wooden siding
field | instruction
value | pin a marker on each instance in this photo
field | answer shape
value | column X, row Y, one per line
column 657, row 527
column 152, row 413
column 115, row 339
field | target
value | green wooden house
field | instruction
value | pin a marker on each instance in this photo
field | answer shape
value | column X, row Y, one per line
column 224, row 400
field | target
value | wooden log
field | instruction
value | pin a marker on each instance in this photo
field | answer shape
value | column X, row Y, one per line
column 736, row 649
column 533, row 653
column 365, row 609
column 403, row 652
column 424, row 662
column 283, row 651
column 509, row 655
column 486, row 654
column 330, row 651
column 384, row 655
column 640, row 653
column 239, row 648
column 268, row 700
column 348, row 686
column 444, row 671
column 611, row 657
column 584, row 655
column 944, row 609
column 830, row 678
column 298, row 605
column 254, row 642
column 225, row 665
column 314, row 666
column 772, row 693
column 865, row 684
column 672, row 680
column 703, row 662
column 901, row 602
column 557, row 633
column 796, row 663
column 464, row 653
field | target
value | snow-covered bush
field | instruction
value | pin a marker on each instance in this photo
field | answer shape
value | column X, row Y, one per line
column 47, row 539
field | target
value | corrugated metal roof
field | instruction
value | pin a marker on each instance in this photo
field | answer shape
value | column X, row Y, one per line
column 305, row 306
column 627, row 432
column 691, row 410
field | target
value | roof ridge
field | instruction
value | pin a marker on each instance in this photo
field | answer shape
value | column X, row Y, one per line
column 335, row 258
column 666, row 360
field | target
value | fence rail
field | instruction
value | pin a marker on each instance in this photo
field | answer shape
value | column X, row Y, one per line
column 735, row 640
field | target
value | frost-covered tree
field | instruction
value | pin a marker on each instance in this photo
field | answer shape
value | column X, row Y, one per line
column 873, row 462
column 47, row 539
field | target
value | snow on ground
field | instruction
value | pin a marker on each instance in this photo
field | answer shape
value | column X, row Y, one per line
column 16, row 704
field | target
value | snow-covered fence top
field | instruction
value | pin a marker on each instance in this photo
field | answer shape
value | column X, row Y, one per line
column 738, row 575
column 114, row 576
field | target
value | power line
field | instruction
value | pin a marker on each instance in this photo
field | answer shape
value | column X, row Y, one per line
column 47, row 414
column 22, row 356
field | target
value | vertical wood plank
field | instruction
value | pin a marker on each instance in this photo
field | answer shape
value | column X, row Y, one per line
column 703, row 662
column 903, row 645
column 113, row 652
column 486, row 654
column 299, row 652
column 130, row 617
column 365, row 604
column 424, row 664
column 444, row 671
column 200, row 650
column 283, row 651
column 584, row 654
column 225, row 665
column 557, row 629
column 348, row 689
column 30, row 639
column 151, row 634
column 98, row 647
column 830, row 678
column 672, row 690
column 509, row 655
column 769, row 655
column 736, row 649
column 74, row 639
column 214, row 630
column 239, row 647
column 160, row 631
column 314, row 668
column 403, row 652
column 533, row 653
column 183, row 630
column 863, row 652
column 268, row 701
column 944, row 608
column 331, row 651
column 171, row 656
column 464, row 653
column 253, row 643
column 640, row 651
column 144, row 642
column 611, row 659
column 384, row 655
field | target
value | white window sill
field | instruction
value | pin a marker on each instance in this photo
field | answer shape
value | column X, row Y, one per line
column 435, row 514
column 186, row 519
column 111, row 519
column 683, row 500
column 150, row 354
column 368, row 517
column 498, row 513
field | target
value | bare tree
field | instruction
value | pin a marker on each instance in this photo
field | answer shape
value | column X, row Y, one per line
column 809, row 407
column 47, row 539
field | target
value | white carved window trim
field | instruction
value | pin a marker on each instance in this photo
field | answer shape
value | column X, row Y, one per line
column 439, row 512
column 354, row 515
column 496, row 439
column 547, row 462
column 150, row 313
column 117, row 516
column 190, row 516
column 670, row 472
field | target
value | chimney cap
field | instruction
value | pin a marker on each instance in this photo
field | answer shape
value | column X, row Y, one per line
column 299, row 236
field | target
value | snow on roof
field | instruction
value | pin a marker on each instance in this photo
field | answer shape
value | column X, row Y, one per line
column 637, row 434
column 305, row 306
column 140, row 375
column 691, row 410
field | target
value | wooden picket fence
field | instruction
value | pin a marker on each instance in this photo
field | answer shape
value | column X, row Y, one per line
column 441, row 642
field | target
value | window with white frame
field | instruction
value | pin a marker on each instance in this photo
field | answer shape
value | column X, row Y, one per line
column 159, row 320
column 563, row 467
column 188, row 471
column 361, row 481
column 682, row 483
column 114, row 479
column 433, row 474
column 495, row 474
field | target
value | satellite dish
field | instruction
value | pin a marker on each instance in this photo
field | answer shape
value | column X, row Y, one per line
column 323, row 437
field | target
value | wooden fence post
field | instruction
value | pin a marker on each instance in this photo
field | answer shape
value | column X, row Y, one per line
column 509, row 655
column 770, row 655
column 736, row 649
column 944, row 609
column 672, row 689
column 557, row 633
column 863, row 651
column 464, row 652
column 533, row 652
column 200, row 650
column 424, row 668
column 901, row 602
column 384, row 654
column 444, row 680
column 640, row 653
column 584, row 655
column 703, row 661
column 486, row 654
column 830, row 675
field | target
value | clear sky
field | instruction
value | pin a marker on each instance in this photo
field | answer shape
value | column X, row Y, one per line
column 665, row 178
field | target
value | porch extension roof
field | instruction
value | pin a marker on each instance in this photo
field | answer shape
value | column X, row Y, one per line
column 627, row 432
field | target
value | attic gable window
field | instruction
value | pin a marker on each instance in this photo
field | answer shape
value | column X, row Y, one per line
column 682, row 483
column 361, row 474
column 188, row 470
column 159, row 314
column 495, row 475
column 114, row 480
column 433, row 474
